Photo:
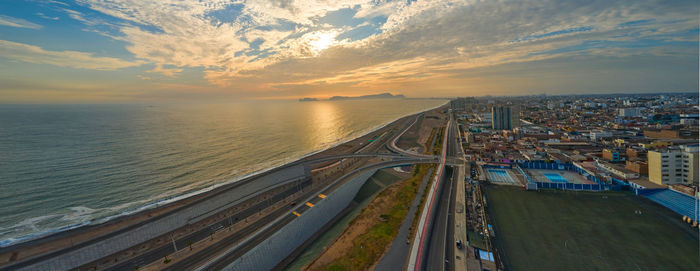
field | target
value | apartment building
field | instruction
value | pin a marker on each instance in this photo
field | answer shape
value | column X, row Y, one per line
column 505, row 117
column 674, row 166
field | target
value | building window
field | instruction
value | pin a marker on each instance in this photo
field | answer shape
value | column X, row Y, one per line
column 664, row 165
column 665, row 156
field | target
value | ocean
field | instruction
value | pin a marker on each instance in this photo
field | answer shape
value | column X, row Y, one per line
column 63, row 166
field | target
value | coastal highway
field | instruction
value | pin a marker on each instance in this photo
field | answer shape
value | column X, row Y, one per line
column 183, row 242
column 440, row 250
column 433, row 248
column 30, row 263
column 419, row 246
column 157, row 253
column 229, row 257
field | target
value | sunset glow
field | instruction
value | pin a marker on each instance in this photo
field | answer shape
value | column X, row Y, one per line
column 321, row 41
column 93, row 50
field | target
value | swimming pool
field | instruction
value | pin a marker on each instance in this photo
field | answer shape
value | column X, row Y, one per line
column 500, row 176
column 499, row 172
column 555, row 178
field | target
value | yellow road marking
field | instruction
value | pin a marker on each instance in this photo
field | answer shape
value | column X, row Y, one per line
column 296, row 214
column 322, row 196
column 309, row 204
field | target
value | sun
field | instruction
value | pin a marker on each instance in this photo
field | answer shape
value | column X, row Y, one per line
column 320, row 41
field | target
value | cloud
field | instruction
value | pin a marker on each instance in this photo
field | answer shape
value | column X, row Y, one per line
column 16, row 22
column 165, row 71
column 445, row 37
column 73, row 59
column 298, row 11
column 42, row 15
column 277, row 46
column 187, row 37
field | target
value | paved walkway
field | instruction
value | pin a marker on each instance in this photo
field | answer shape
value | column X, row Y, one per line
column 399, row 249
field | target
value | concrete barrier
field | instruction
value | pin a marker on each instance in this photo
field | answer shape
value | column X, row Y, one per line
column 279, row 245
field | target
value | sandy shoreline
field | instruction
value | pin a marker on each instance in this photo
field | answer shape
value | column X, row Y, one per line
column 74, row 236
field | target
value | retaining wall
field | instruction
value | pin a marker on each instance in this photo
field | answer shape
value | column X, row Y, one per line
column 279, row 245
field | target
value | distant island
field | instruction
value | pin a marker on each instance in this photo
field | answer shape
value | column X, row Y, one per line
column 372, row 96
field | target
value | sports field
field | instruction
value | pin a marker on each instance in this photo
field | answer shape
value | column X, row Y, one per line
column 566, row 230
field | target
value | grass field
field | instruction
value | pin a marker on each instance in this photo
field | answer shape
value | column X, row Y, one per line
column 565, row 230
column 371, row 244
column 362, row 199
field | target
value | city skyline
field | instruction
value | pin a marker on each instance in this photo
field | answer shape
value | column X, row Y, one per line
column 124, row 51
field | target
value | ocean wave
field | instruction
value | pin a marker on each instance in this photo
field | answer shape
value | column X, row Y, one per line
column 77, row 216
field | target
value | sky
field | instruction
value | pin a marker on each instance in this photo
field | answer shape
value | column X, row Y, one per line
column 138, row 50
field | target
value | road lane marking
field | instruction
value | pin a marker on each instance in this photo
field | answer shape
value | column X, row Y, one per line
column 322, row 196
column 296, row 214
column 309, row 204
